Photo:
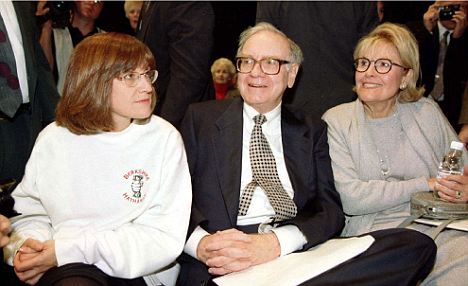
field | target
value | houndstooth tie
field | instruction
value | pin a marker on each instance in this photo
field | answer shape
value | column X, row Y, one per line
column 265, row 176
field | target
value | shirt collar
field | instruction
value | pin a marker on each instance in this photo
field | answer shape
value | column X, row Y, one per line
column 271, row 116
column 442, row 31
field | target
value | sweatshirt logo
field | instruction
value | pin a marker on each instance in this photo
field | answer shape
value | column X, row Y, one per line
column 136, row 181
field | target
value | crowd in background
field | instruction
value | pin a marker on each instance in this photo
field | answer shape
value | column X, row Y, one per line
column 195, row 65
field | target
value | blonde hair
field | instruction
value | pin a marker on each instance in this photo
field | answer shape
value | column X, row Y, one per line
column 224, row 62
column 85, row 106
column 295, row 57
column 407, row 47
column 129, row 4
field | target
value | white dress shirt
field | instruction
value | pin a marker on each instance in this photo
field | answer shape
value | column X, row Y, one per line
column 260, row 209
column 14, row 35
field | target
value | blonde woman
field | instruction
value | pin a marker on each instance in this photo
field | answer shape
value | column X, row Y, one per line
column 387, row 144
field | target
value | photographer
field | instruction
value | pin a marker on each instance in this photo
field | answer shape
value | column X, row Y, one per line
column 65, row 24
column 443, row 43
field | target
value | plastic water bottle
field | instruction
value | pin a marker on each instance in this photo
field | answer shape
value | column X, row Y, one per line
column 452, row 163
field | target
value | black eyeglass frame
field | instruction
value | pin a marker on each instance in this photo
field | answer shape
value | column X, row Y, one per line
column 375, row 66
column 280, row 63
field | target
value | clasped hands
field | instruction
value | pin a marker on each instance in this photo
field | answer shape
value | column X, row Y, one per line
column 233, row 250
column 33, row 259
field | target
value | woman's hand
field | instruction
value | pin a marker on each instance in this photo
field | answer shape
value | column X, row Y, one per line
column 453, row 188
column 33, row 259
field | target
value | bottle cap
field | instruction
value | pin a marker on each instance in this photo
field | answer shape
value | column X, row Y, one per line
column 456, row 145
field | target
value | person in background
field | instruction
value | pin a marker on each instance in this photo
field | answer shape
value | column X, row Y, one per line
column 28, row 98
column 387, row 145
column 327, row 31
column 443, row 44
column 60, row 37
column 28, row 95
column 251, row 209
column 132, row 12
column 463, row 135
column 224, row 79
column 180, row 35
column 106, row 196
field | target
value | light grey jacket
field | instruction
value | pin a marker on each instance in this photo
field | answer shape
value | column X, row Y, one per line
column 364, row 194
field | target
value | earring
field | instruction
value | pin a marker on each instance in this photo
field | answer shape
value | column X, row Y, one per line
column 402, row 86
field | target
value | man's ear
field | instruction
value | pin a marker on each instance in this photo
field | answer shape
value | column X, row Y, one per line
column 293, row 70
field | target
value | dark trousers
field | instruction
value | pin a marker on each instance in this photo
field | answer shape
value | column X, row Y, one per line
column 73, row 274
column 17, row 137
column 397, row 257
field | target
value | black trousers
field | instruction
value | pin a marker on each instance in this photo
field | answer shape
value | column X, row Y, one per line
column 73, row 274
column 397, row 257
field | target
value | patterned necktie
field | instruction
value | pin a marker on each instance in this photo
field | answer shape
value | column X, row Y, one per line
column 265, row 176
column 438, row 89
column 10, row 93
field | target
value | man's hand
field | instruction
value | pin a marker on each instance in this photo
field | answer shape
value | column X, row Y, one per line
column 461, row 23
column 430, row 17
column 34, row 259
column 5, row 229
column 232, row 250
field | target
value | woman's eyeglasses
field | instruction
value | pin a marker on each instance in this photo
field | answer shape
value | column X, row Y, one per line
column 381, row 66
column 131, row 79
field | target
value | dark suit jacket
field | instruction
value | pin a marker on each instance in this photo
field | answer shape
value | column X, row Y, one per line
column 17, row 136
column 327, row 33
column 212, row 133
column 455, row 67
column 180, row 35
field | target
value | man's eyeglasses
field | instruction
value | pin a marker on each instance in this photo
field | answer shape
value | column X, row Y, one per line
column 131, row 79
column 270, row 66
column 381, row 66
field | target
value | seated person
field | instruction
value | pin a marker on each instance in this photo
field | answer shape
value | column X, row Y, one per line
column 223, row 72
column 247, row 210
column 106, row 195
column 387, row 145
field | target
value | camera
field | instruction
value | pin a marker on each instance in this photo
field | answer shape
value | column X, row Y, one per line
column 59, row 13
column 447, row 12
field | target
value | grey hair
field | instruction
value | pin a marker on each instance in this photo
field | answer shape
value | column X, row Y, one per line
column 295, row 56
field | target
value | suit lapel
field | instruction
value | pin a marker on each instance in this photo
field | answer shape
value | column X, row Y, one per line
column 227, row 146
column 28, row 44
column 296, row 148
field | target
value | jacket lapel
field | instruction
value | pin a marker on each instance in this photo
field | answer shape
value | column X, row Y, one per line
column 227, row 147
column 296, row 148
column 28, row 38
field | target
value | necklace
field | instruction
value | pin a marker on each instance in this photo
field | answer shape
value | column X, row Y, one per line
column 383, row 157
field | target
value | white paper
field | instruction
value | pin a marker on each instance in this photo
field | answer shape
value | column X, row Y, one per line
column 458, row 224
column 296, row 268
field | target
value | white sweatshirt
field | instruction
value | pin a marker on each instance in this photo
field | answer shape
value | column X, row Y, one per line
column 118, row 200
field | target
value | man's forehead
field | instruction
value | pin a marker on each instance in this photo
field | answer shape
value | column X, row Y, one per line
column 267, row 43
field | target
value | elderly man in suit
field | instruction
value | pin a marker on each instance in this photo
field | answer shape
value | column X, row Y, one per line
column 264, row 188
